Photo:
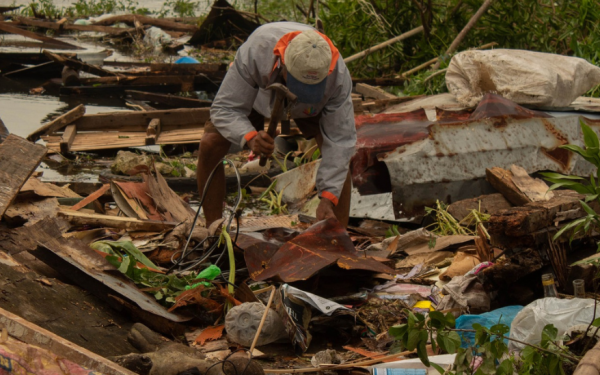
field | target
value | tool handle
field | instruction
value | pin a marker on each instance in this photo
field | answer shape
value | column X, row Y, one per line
column 275, row 117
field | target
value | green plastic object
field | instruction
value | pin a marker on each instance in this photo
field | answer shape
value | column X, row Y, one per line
column 209, row 273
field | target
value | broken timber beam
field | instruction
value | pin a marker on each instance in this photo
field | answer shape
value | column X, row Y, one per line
column 49, row 42
column 67, row 138
column 18, row 159
column 170, row 100
column 91, row 198
column 138, row 121
column 58, row 123
column 131, row 19
column 153, row 131
column 79, row 65
column 32, row 334
column 369, row 91
column 119, row 222
column 502, row 180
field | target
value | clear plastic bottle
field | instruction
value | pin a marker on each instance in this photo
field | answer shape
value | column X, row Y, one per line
column 549, row 286
column 579, row 288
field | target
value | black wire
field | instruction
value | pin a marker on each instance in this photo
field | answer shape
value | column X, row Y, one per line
column 234, row 214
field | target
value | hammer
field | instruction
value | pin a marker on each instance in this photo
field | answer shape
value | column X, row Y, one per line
column 281, row 92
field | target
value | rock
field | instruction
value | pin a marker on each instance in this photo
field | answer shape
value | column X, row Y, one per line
column 242, row 323
column 326, row 357
column 126, row 161
column 163, row 168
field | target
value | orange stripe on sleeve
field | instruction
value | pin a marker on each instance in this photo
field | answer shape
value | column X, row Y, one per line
column 330, row 196
column 248, row 137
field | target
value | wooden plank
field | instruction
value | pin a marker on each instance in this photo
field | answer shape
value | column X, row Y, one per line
column 115, row 140
column 119, row 222
column 58, row 123
column 140, row 80
column 170, row 100
column 50, row 42
column 380, row 81
column 115, row 90
column 153, row 131
column 32, row 334
column 534, row 188
column 138, row 121
column 162, row 23
column 369, row 91
column 67, row 138
column 92, row 197
column 501, row 180
column 18, row 160
column 79, row 65
column 138, row 105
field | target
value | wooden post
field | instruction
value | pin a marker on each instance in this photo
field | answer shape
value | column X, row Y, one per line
column 58, row 123
column 370, row 50
column 153, row 131
column 67, row 138
column 18, row 160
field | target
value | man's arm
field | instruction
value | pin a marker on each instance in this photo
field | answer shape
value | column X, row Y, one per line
column 339, row 140
column 233, row 103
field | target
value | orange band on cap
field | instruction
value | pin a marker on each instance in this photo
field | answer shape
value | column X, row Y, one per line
column 330, row 196
column 248, row 137
column 285, row 40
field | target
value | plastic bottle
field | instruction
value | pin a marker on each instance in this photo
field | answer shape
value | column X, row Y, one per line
column 579, row 288
column 549, row 286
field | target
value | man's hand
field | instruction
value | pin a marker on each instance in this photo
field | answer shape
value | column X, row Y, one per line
column 262, row 144
column 325, row 210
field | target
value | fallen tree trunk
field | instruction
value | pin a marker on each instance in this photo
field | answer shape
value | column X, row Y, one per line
column 130, row 19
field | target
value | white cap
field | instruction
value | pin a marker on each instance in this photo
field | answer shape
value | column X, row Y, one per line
column 308, row 57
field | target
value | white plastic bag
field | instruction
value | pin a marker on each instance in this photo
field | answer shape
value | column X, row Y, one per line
column 562, row 313
column 525, row 77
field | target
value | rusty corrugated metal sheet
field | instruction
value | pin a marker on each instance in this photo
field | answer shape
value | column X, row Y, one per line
column 446, row 159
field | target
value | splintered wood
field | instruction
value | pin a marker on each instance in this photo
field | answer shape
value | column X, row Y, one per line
column 18, row 160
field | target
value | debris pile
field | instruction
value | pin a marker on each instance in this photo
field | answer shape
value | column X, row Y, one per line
column 456, row 244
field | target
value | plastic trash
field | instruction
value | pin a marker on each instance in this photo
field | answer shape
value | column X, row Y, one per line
column 562, row 313
column 209, row 273
column 187, row 60
column 156, row 37
column 242, row 323
column 504, row 315
column 82, row 22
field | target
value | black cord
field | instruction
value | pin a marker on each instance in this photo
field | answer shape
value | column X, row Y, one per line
column 234, row 214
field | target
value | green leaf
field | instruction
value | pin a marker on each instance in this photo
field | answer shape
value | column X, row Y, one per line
column 124, row 267
column 590, row 138
column 437, row 319
column 422, row 352
column 587, row 208
column 158, row 296
column 558, row 176
column 596, row 322
column 505, row 368
column 439, row 368
column 549, row 334
column 398, row 331
column 413, row 339
column 450, row 320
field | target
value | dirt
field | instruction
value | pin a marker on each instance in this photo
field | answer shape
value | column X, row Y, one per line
column 65, row 310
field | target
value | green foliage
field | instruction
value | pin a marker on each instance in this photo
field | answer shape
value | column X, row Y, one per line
column 590, row 188
column 180, row 8
column 566, row 28
column 445, row 224
column 489, row 347
column 392, row 231
column 82, row 8
column 125, row 256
